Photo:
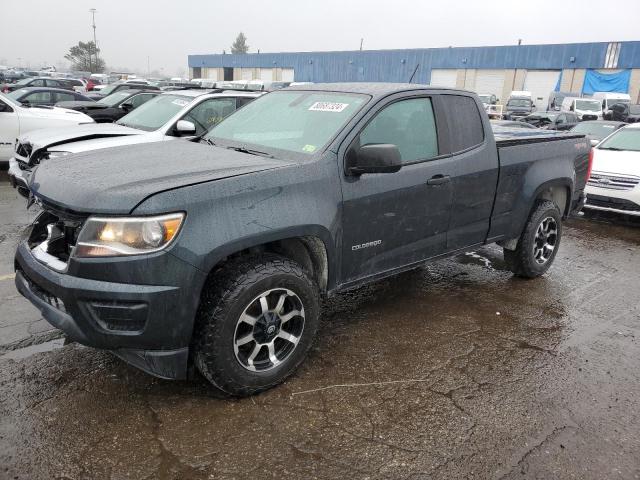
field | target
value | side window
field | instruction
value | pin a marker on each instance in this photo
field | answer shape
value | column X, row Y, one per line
column 138, row 100
column 37, row 83
column 38, row 98
column 561, row 119
column 408, row 124
column 465, row 123
column 210, row 112
column 242, row 101
column 65, row 97
column 54, row 83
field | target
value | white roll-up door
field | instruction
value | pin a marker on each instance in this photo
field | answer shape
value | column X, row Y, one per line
column 287, row 74
column 444, row 77
column 541, row 83
column 211, row 73
column 247, row 73
column 266, row 74
column 490, row 81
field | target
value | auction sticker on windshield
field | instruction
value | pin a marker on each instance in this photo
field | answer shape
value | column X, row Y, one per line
column 328, row 107
column 180, row 103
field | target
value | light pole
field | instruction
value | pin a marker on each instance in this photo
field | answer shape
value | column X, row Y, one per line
column 95, row 42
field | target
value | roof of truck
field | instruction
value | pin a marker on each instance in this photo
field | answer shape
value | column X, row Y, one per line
column 376, row 89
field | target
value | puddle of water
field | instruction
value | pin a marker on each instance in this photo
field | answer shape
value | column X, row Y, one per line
column 22, row 353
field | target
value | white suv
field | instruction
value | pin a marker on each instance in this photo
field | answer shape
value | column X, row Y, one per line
column 614, row 185
column 171, row 115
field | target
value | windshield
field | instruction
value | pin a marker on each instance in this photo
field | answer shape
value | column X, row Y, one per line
column 634, row 109
column 298, row 121
column 623, row 139
column 588, row 105
column 16, row 94
column 613, row 101
column 155, row 113
column 595, row 130
column 519, row 102
column 108, row 90
column 113, row 99
column 24, row 81
column 485, row 98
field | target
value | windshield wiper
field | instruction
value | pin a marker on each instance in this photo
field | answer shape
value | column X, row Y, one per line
column 615, row 149
column 250, row 151
column 208, row 141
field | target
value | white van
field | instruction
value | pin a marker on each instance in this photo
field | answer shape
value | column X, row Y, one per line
column 610, row 98
column 585, row 108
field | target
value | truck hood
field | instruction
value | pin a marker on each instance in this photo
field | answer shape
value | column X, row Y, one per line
column 615, row 162
column 48, row 137
column 116, row 180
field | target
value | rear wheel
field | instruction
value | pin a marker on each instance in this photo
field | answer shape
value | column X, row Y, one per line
column 256, row 323
column 539, row 242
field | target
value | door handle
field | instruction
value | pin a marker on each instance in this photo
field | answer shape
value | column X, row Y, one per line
column 439, row 180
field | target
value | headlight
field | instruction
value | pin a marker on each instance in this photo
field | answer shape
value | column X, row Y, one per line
column 119, row 236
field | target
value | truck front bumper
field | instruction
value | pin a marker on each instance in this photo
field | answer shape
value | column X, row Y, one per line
column 149, row 326
column 18, row 178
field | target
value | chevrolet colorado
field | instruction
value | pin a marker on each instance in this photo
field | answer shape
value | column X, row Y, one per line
column 214, row 253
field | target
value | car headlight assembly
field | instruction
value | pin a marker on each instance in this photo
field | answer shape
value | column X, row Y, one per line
column 122, row 236
column 50, row 155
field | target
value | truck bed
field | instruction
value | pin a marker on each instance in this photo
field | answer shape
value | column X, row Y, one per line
column 529, row 159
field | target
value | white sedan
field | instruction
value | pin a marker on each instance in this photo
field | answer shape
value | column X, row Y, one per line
column 614, row 185
column 17, row 119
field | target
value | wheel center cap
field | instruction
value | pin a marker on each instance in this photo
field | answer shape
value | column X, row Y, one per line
column 271, row 329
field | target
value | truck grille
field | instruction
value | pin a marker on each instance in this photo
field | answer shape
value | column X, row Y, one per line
column 613, row 182
column 55, row 235
column 610, row 202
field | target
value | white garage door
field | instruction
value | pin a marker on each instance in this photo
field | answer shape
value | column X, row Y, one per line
column 287, row 74
column 444, row 78
column 247, row 73
column 540, row 83
column 266, row 74
column 211, row 73
column 490, row 81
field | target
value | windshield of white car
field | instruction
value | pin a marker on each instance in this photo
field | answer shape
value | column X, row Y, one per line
column 485, row 98
column 519, row 102
column 113, row 99
column 155, row 113
column 624, row 139
column 588, row 105
column 596, row 130
column 296, row 121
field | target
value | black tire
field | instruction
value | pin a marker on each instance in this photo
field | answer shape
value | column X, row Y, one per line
column 523, row 261
column 234, row 289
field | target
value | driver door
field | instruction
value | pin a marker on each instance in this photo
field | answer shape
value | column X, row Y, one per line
column 396, row 219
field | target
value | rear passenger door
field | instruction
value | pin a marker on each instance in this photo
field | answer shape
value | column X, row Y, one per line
column 395, row 219
column 474, row 170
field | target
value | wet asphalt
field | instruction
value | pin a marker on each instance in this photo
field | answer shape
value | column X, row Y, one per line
column 455, row 370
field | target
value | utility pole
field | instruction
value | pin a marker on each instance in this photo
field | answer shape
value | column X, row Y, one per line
column 361, row 42
column 95, row 42
column 148, row 67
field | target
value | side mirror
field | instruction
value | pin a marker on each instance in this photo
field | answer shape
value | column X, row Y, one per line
column 184, row 128
column 594, row 142
column 375, row 158
column 126, row 106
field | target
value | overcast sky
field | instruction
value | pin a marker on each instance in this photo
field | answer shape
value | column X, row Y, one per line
column 41, row 31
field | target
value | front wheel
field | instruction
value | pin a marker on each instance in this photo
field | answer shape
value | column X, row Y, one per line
column 539, row 242
column 256, row 323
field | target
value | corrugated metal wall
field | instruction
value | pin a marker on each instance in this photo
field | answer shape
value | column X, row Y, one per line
column 398, row 65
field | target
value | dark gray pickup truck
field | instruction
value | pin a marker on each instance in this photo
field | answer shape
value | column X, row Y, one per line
column 214, row 254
